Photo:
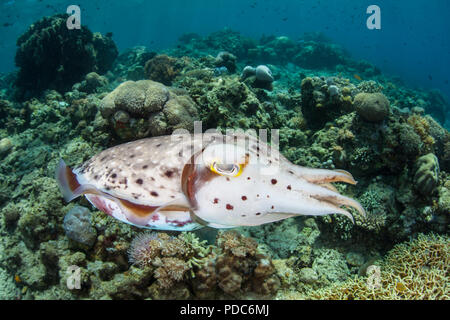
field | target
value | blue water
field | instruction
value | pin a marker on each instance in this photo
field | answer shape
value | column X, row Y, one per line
column 413, row 42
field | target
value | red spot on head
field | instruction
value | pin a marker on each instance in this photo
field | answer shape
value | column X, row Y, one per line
column 168, row 173
column 289, row 187
column 244, row 198
column 215, row 201
column 229, row 206
column 274, row 181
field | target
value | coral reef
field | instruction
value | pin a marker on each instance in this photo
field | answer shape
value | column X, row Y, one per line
column 373, row 107
column 426, row 177
column 77, row 226
column 162, row 68
column 325, row 99
column 415, row 270
column 227, row 60
column 50, row 56
column 93, row 82
column 238, row 268
column 147, row 108
column 319, row 103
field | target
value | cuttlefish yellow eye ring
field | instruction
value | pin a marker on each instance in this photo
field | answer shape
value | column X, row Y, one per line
column 230, row 170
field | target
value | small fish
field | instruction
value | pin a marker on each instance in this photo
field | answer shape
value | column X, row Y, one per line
column 430, row 77
column 357, row 77
column 185, row 182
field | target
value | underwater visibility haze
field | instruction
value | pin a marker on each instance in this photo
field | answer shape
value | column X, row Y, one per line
column 323, row 174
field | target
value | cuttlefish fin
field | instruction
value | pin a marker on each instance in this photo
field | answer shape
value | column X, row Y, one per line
column 68, row 183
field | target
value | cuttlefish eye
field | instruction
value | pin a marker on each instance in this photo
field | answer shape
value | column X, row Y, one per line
column 232, row 170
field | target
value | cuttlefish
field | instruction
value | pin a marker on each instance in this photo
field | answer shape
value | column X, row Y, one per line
column 185, row 182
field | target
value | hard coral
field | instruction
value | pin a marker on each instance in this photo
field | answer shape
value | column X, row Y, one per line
column 50, row 56
column 373, row 107
column 77, row 225
column 238, row 268
column 422, row 127
column 170, row 258
column 227, row 60
column 147, row 108
column 323, row 100
column 426, row 177
column 418, row 269
column 163, row 68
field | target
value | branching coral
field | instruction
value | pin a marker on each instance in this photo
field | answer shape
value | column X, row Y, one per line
column 414, row 270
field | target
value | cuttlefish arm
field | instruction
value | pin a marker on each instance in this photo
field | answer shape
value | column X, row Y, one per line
column 321, row 176
column 316, row 183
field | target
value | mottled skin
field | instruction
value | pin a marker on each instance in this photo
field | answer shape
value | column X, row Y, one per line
column 185, row 182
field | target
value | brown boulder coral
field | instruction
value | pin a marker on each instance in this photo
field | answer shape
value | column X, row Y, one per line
column 147, row 108
column 372, row 107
